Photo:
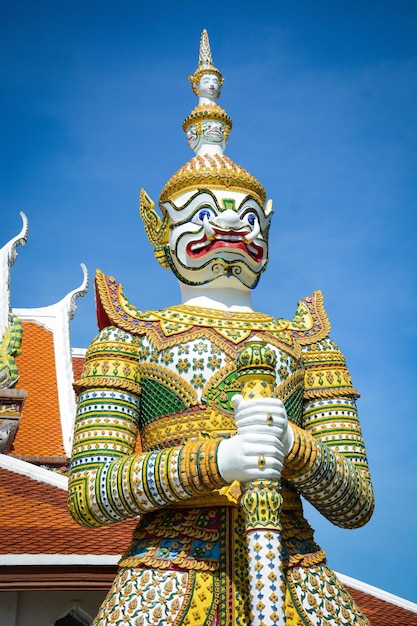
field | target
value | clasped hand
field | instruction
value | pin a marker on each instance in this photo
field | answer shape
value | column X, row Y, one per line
column 261, row 443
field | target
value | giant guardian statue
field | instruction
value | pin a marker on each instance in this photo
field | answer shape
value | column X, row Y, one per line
column 209, row 421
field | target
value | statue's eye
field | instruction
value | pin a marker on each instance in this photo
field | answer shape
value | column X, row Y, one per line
column 203, row 214
column 251, row 218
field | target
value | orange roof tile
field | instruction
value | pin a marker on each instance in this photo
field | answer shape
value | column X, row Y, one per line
column 34, row 519
column 382, row 613
column 77, row 366
column 39, row 432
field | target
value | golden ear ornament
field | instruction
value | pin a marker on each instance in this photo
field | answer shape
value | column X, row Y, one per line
column 156, row 228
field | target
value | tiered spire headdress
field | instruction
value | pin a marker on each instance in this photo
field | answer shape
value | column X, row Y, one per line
column 207, row 128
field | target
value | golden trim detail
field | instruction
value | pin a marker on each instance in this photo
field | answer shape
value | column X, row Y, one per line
column 287, row 387
column 179, row 428
column 310, row 323
column 212, row 172
column 182, row 323
column 171, row 380
column 208, row 111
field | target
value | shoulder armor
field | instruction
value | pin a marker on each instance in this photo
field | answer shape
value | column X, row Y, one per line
column 114, row 309
column 326, row 373
column 310, row 323
column 111, row 361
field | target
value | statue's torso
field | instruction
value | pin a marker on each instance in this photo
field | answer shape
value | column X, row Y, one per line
column 188, row 376
column 181, row 365
column 188, row 373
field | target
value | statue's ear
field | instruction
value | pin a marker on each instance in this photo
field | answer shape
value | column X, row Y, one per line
column 268, row 209
column 268, row 214
column 156, row 228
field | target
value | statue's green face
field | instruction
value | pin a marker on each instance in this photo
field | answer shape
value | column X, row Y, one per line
column 212, row 132
column 192, row 137
column 218, row 233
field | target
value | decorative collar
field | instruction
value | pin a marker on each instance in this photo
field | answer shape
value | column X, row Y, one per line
column 310, row 323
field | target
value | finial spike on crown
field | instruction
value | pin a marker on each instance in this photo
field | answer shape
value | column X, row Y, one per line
column 205, row 60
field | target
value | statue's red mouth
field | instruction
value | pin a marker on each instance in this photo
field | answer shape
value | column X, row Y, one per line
column 229, row 239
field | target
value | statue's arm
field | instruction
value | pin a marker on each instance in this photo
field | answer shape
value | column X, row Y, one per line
column 109, row 482
column 327, row 463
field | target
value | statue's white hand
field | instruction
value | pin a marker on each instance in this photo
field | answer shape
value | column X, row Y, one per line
column 263, row 439
column 264, row 415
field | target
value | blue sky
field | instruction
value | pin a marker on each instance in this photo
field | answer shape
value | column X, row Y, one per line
column 323, row 101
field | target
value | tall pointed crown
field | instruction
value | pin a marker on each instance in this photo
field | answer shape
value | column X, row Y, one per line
column 205, row 64
column 207, row 128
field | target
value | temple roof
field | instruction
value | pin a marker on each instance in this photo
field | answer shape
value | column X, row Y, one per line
column 381, row 609
column 35, row 520
column 40, row 433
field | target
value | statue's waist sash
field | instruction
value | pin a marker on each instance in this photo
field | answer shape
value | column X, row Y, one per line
column 204, row 538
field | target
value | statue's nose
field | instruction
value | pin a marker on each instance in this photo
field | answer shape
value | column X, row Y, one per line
column 228, row 219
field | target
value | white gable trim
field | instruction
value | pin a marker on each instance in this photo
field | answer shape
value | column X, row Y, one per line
column 8, row 255
column 34, row 472
column 56, row 318
column 78, row 353
column 59, row 559
column 378, row 593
